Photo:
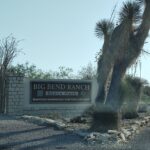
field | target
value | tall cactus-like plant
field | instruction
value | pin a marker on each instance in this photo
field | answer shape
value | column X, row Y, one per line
column 122, row 49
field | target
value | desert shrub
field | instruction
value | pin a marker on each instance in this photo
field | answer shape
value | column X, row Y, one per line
column 145, row 98
column 89, row 111
column 131, row 95
column 146, row 90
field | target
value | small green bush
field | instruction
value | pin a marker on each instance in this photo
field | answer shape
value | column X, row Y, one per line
column 131, row 94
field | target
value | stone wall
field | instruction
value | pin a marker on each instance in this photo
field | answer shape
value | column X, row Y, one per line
column 18, row 101
column 15, row 95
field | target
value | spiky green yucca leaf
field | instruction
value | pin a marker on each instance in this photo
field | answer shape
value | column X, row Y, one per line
column 143, row 1
column 140, row 1
column 130, row 11
column 103, row 28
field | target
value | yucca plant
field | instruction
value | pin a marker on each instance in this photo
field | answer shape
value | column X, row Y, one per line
column 131, row 11
column 121, row 49
column 104, row 29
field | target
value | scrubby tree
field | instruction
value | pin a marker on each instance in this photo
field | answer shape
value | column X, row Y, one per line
column 32, row 72
column 8, row 51
column 131, row 93
column 87, row 72
column 28, row 71
column 147, row 90
column 63, row 73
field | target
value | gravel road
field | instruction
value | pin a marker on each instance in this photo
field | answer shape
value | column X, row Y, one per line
column 16, row 134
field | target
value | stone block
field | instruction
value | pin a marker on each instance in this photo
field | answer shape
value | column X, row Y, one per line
column 11, row 89
column 13, row 85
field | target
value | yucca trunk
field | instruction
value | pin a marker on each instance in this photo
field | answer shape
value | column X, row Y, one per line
column 113, row 97
column 115, row 50
column 104, row 69
column 104, row 66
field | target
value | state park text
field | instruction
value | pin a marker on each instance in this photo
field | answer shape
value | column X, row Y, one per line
column 60, row 91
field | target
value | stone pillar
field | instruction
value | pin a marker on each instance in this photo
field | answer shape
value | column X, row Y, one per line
column 15, row 95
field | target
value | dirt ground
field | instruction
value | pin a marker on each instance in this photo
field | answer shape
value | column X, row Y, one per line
column 16, row 134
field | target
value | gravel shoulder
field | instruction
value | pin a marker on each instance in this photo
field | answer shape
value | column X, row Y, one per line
column 16, row 134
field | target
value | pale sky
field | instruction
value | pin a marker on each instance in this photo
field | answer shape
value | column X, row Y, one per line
column 58, row 32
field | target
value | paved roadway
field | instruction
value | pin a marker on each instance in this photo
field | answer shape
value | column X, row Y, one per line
column 17, row 134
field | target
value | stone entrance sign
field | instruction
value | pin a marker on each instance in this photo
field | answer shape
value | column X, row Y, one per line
column 67, row 98
column 60, row 91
